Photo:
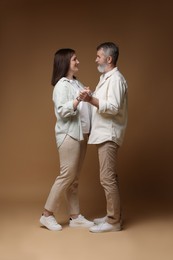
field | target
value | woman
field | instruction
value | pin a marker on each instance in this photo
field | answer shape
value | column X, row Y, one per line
column 71, row 130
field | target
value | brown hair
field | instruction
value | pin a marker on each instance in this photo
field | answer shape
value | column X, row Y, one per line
column 61, row 64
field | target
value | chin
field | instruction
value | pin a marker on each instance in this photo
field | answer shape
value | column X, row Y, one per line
column 101, row 69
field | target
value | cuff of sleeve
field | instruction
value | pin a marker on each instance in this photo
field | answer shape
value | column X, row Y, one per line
column 102, row 106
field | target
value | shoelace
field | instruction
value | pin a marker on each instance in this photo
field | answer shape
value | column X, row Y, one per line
column 80, row 217
column 52, row 220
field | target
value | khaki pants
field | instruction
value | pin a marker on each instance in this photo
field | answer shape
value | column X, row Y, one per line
column 107, row 153
column 71, row 155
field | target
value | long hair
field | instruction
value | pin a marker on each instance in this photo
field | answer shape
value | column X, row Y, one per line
column 61, row 64
column 110, row 49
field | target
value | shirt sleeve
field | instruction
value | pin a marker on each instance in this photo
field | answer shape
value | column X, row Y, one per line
column 63, row 100
column 114, row 97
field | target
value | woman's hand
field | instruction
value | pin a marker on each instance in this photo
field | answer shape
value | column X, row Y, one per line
column 86, row 94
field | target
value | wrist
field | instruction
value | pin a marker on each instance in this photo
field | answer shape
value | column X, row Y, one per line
column 88, row 96
column 78, row 99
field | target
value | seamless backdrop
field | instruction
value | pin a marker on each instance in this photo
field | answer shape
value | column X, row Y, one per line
column 31, row 32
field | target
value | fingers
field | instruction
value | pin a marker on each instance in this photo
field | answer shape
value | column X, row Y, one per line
column 85, row 95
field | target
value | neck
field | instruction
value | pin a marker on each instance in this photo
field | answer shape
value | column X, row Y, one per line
column 109, row 68
column 70, row 76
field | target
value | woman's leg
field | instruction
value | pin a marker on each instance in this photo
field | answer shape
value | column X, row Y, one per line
column 69, row 154
column 72, row 192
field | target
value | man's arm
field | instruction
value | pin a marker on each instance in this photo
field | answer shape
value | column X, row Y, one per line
column 94, row 101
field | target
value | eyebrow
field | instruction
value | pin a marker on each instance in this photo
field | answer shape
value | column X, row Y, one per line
column 74, row 57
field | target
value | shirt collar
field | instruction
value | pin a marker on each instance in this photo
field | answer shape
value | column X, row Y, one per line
column 69, row 80
column 108, row 74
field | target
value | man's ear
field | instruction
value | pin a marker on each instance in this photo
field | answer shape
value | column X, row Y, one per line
column 109, row 59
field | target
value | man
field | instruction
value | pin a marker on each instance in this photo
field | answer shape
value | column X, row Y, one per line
column 109, row 120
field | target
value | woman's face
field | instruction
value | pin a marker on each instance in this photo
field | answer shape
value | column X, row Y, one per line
column 73, row 64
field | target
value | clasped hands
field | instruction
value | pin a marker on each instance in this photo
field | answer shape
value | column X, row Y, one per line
column 85, row 95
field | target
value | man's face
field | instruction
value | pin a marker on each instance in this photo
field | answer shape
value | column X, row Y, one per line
column 101, row 61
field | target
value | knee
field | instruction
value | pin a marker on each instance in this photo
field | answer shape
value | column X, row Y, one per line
column 109, row 180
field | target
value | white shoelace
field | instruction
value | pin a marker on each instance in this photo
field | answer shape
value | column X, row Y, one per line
column 52, row 220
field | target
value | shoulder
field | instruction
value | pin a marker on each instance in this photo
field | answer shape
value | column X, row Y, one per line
column 61, row 86
column 118, row 76
column 63, row 82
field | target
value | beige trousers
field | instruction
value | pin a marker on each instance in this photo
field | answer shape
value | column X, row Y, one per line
column 107, row 153
column 71, row 155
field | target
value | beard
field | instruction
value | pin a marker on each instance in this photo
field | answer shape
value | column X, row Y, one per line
column 101, row 68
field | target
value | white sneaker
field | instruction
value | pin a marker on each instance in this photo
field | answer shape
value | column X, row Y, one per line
column 50, row 222
column 98, row 221
column 80, row 221
column 105, row 227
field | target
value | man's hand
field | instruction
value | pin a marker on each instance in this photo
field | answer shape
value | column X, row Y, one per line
column 85, row 95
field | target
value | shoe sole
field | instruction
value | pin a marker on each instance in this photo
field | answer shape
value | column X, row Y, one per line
column 80, row 226
column 115, row 229
column 103, row 231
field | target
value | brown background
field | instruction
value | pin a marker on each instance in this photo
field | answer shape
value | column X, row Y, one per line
column 31, row 31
